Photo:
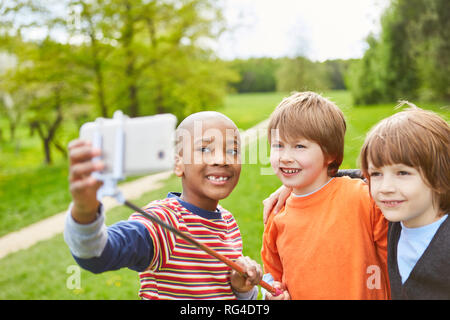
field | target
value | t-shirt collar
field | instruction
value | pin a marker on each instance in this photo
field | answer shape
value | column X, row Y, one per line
column 194, row 209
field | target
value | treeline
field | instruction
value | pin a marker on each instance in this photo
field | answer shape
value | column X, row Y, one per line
column 411, row 57
column 289, row 74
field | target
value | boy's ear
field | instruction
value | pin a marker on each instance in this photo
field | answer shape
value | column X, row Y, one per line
column 328, row 159
column 179, row 166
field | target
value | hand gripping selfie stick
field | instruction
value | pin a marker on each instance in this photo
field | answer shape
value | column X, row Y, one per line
column 109, row 188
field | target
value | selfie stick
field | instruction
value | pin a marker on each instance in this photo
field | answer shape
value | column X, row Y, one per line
column 109, row 188
column 228, row 262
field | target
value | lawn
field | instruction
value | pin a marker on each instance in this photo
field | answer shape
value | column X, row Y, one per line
column 43, row 271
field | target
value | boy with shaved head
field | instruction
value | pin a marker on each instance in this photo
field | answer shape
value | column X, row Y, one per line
column 208, row 162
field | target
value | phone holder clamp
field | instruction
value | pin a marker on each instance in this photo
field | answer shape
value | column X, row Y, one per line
column 110, row 180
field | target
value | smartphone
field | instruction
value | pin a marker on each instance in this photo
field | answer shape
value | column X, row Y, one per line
column 133, row 146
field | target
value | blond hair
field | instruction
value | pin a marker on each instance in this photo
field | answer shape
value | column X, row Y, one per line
column 416, row 138
column 310, row 116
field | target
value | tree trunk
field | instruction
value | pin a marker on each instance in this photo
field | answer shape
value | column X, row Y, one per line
column 48, row 136
column 48, row 155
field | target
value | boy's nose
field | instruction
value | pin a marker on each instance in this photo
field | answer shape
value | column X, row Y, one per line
column 285, row 156
column 387, row 185
column 219, row 158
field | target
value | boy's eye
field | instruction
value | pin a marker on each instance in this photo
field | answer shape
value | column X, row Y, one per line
column 374, row 174
column 276, row 145
column 300, row 146
column 403, row 173
column 233, row 152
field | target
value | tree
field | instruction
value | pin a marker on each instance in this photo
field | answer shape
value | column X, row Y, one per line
column 411, row 57
column 336, row 70
column 12, row 98
column 54, row 87
column 86, row 19
column 142, row 57
column 256, row 74
column 301, row 74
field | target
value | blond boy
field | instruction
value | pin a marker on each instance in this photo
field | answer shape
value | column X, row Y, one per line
column 406, row 159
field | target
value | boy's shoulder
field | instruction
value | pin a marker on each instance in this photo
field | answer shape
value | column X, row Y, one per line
column 166, row 203
column 352, row 188
column 165, row 209
column 354, row 183
column 225, row 213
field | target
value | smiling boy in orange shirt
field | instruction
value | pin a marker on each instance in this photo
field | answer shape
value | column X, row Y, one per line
column 329, row 241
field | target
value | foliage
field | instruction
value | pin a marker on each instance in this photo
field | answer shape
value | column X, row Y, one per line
column 337, row 69
column 143, row 57
column 287, row 74
column 256, row 74
column 301, row 74
column 411, row 57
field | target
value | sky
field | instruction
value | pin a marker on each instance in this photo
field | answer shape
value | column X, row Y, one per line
column 317, row 29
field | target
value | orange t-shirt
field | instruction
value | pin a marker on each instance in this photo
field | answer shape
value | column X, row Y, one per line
column 331, row 244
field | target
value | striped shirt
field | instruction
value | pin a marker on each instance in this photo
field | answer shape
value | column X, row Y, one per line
column 178, row 269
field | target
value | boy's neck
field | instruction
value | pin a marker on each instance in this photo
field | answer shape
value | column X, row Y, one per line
column 320, row 181
column 314, row 191
column 206, row 204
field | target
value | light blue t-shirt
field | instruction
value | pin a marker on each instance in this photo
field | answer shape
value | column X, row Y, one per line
column 412, row 244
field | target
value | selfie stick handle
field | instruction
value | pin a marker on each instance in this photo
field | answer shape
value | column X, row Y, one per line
column 199, row 245
column 109, row 187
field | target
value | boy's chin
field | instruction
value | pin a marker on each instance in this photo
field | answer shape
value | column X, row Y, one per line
column 392, row 217
column 288, row 184
column 219, row 195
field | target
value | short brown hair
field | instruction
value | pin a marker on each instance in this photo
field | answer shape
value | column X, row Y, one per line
column 310, row 116
column 417, row 138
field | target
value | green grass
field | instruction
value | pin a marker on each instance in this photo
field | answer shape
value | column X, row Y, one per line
column 30, row 190
column 246, row 110
column 41, row 271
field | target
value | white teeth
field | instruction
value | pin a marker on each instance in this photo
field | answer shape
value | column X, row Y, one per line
column 215, row 178
column 290, row 170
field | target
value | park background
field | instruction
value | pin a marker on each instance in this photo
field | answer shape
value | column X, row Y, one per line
column 149, row 57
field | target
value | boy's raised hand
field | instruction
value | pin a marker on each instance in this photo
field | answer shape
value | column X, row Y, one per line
column 275, row 201
column 253, row 271
column 83, row 186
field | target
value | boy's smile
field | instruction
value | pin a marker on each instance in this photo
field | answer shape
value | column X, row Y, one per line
column 289, row 172
column 391, row 203
column 218, row 178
